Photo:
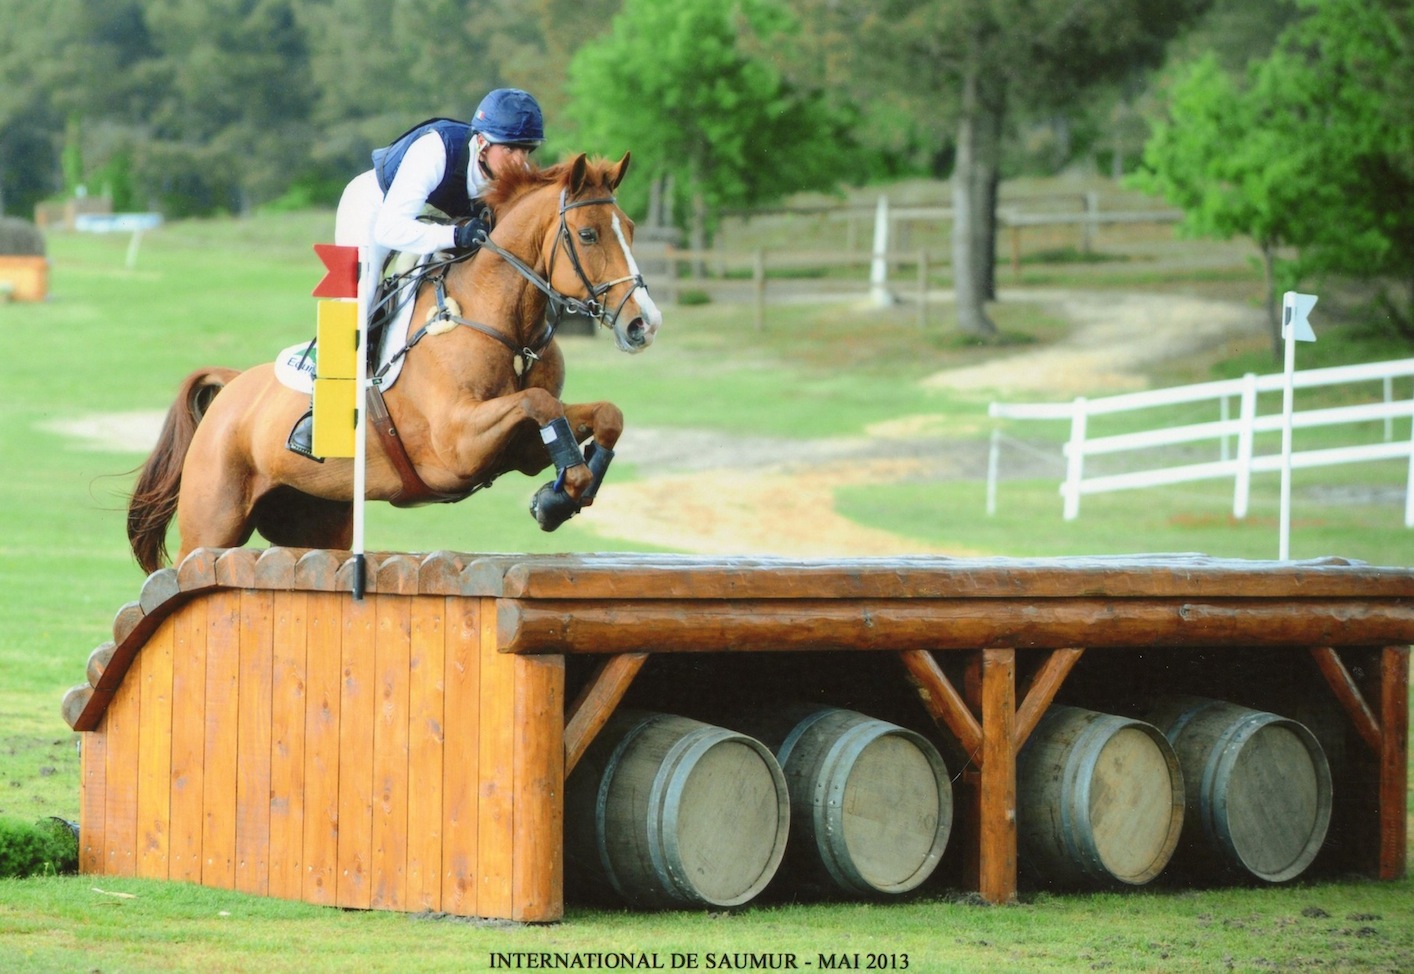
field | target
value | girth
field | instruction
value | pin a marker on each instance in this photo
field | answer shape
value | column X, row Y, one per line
column 414, row 491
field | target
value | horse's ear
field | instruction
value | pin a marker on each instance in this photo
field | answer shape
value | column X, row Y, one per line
column 618, row 173
column 578, row 168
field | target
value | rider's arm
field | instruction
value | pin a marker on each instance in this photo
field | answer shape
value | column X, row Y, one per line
column 397, row 226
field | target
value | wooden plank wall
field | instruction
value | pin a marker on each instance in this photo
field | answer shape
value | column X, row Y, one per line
column 376, row 755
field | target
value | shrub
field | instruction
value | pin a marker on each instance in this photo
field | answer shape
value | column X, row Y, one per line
column 20, row 237
column 49, row 846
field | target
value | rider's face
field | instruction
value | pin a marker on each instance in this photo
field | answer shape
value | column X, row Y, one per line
column 502, row 156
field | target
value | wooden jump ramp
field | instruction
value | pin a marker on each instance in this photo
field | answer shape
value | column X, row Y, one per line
column 251, row 726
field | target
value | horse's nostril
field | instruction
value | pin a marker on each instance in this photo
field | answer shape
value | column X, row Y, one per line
column 636, row 331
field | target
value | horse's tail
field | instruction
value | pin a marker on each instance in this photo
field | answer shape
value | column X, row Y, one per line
column 154, row 499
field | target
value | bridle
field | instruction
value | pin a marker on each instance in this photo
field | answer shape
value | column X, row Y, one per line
column 560, row 304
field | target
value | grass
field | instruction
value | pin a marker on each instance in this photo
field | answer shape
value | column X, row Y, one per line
column 50, row 926
column 1188, row 518
column 114, row 339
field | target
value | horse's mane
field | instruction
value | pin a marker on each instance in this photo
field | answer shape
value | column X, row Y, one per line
column 515, row 184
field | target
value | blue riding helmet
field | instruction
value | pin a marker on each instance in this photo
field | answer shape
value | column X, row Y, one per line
column 509, row 115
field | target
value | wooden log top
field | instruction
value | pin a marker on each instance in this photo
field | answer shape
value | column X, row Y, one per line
column 607, row 580
column 665, row 576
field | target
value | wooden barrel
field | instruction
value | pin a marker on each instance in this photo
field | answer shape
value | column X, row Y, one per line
column 1099, row 799
column 871, row 802
column 670, row 812
column 1258, row 786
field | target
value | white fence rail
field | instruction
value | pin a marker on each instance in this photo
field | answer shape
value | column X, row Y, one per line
column 1237, row 434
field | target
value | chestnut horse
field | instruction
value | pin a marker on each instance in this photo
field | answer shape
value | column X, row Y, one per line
column 477, row 397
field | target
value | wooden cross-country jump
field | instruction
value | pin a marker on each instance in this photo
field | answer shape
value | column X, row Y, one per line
column 251, row 726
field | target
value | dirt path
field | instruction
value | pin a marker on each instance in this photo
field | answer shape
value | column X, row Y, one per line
column 1120, row 336
column 710, row 494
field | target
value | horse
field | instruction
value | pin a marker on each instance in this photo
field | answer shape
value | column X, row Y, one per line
column 478, row 395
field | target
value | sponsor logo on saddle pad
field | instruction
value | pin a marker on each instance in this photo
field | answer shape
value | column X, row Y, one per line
column 294, row 367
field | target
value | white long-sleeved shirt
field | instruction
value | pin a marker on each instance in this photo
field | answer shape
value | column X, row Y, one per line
column 422, row 169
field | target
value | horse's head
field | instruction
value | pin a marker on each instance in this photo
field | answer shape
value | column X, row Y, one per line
column 585, row 253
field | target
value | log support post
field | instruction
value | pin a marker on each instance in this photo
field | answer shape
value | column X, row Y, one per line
column 991, row 745
column 595, row 704
column 1393, row 760
column 1384, row 730
column 996, row 792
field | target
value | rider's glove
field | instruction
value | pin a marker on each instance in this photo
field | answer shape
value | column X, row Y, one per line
column 471, row 235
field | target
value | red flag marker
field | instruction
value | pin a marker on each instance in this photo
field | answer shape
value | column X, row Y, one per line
column 341, row 271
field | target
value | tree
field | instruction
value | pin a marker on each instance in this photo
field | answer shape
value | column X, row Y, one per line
column 1351, row 64
column 230, row 114
column 1231, row 167
column 682, row 87
column 975, row 61
column 61, row 65
column 378, row 69
column 1315, row 151
column 566, row 26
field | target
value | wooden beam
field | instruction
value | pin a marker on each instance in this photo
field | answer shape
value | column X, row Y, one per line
column 996, row 867
column 596, row 703
column 1393, row 760
column 1041, row 690
column 944, row 704
column 1348, row 693
column 642, row 625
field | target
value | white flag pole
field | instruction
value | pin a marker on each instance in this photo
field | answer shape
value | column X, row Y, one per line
column 1294, row 328
column 879, row 292
column 365, row 299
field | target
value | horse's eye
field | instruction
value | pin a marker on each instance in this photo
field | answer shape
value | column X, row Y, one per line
column 589, row 235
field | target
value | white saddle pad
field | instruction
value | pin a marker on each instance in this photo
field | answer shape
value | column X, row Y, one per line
column 297, row 365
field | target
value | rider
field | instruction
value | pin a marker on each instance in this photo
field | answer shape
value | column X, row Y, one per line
column 440, row 168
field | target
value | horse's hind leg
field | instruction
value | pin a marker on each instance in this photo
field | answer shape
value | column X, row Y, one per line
column 212, row 511
column 289, row 518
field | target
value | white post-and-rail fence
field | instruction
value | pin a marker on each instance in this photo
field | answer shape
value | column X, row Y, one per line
column 1240, row 464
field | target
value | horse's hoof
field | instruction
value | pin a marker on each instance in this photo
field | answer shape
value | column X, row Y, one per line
column 551, row 507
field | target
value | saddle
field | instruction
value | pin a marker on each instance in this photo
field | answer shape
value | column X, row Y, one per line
column 391, row 317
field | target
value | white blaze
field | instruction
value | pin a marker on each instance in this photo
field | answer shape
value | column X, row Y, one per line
column 652, row 317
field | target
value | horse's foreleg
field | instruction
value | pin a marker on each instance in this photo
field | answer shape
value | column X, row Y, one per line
column 601, row 423
column 473, row 441
column 604, row 423
column 602, row 420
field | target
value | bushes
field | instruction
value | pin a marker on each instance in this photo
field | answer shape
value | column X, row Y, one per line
column 48, row 847
column 20, row 238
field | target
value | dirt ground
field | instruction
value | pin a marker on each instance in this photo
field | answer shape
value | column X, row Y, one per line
column 712, row 494
column 708, row 493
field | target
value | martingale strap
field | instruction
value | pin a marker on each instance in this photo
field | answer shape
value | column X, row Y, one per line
column 525, row 355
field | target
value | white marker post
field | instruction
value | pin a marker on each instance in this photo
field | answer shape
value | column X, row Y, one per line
column 351, row 293
column 360, row 485
column 1294, row 328
column 879, row 292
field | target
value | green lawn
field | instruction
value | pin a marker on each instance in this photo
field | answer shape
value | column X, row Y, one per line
column 116, row 340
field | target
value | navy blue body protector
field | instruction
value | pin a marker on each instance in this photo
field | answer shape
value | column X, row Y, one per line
column 450, row 196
